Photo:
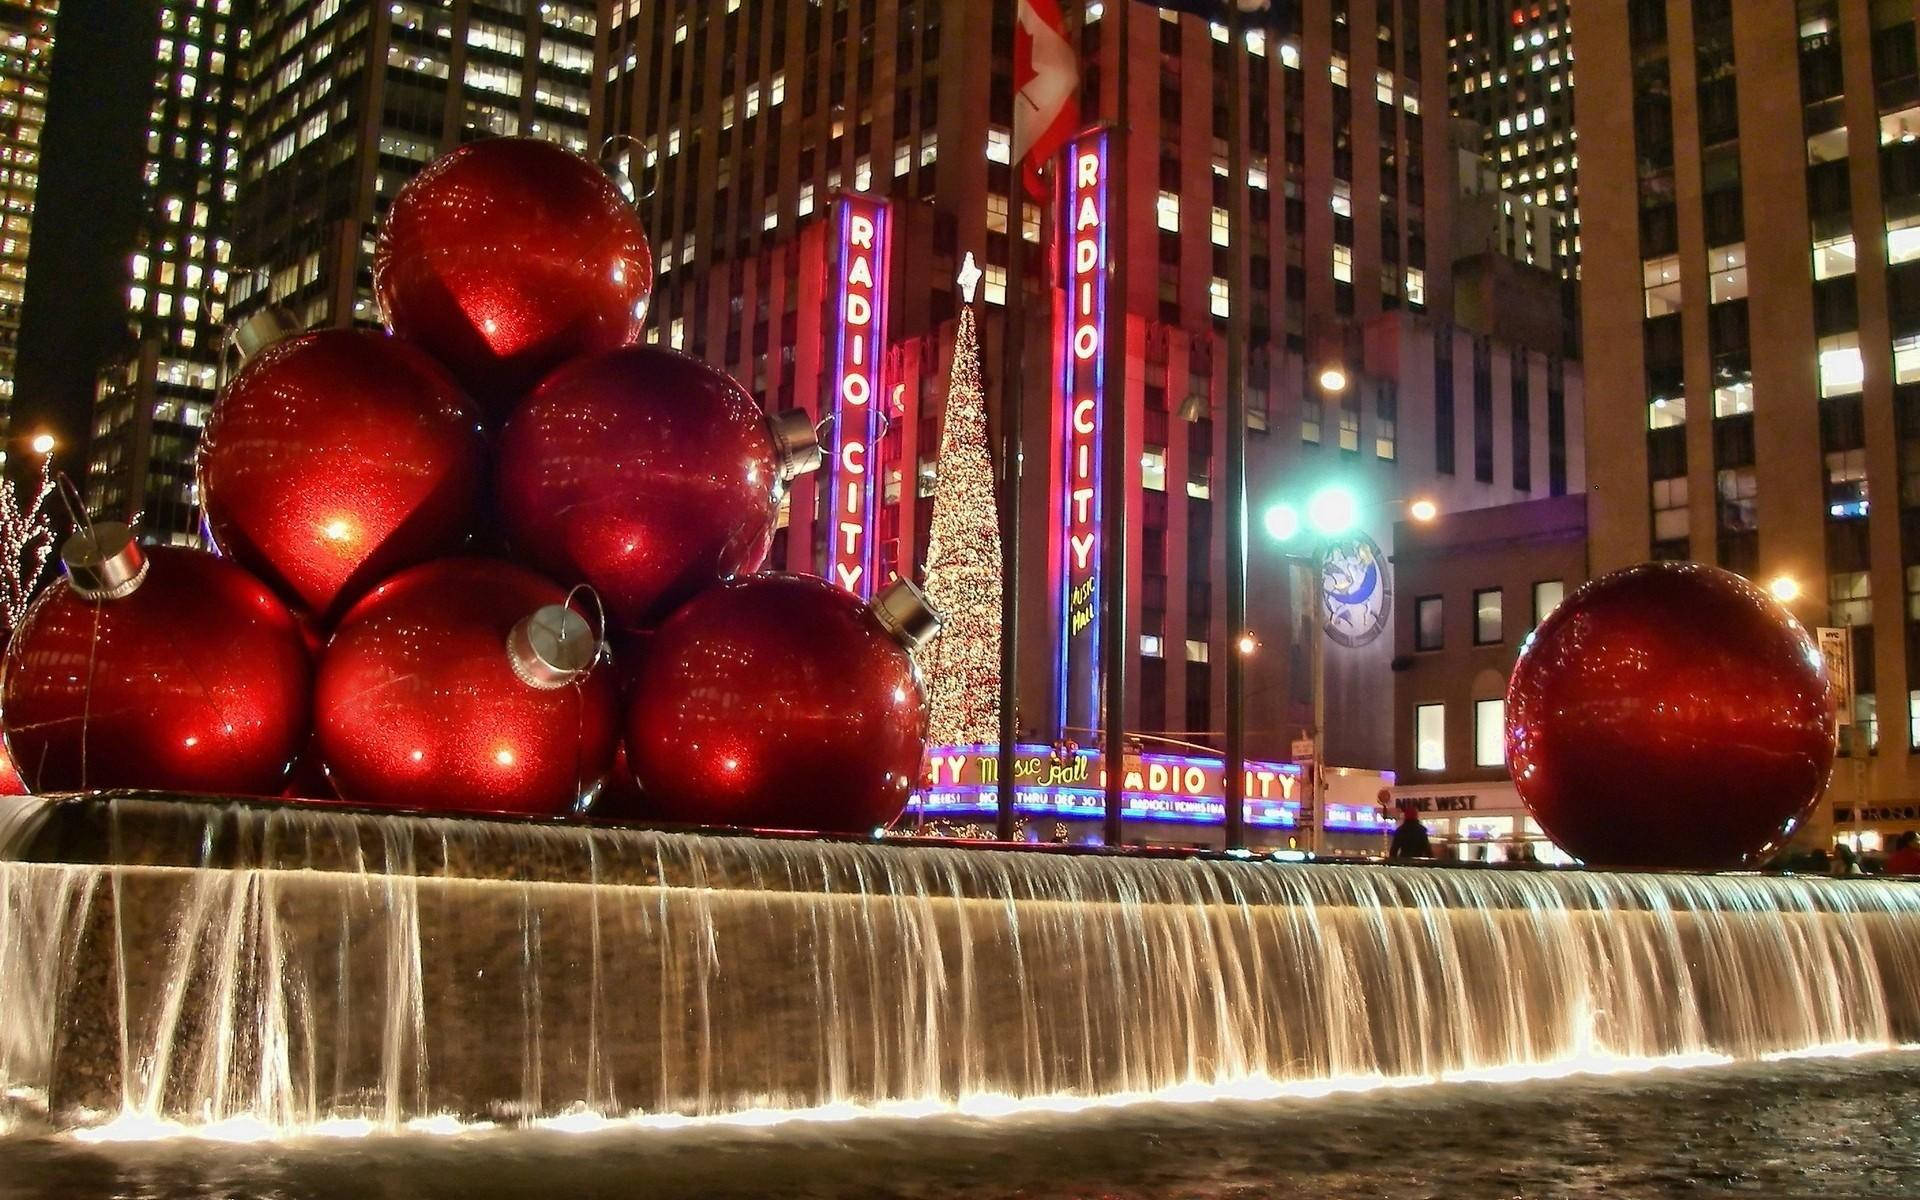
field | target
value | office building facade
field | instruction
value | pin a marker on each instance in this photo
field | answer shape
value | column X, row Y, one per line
column 753, row 118
column 1756, row 359
column 26, row 67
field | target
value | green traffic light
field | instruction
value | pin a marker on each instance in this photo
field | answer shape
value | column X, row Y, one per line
column 1282, row 522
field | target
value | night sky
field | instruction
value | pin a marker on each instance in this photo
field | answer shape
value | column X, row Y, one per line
column 85, row 217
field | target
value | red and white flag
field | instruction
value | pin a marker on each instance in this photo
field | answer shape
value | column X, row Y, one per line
column 1046, row 78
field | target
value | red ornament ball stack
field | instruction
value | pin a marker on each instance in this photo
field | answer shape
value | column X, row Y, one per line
column 464, row 685
column 167, row 669
column 508, row 257
column 336, row 458
column 647, row 473
column 1669, row 715
column 781, row 701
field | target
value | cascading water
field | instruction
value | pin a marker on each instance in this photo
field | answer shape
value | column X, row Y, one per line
column 294, row 968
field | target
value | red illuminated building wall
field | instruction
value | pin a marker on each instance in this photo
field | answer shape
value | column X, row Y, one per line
column 751, row 116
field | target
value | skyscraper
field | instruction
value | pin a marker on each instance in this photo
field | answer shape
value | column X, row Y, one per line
column 1510, row 70
column 752, row 118
column 1756, row 360
column 26, row 61
column 152, row 399
column 349, row 98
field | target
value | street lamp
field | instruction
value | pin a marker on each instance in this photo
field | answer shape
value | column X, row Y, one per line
column 1784, row 588
column 1333, row 379
column 43, row 443
column 1332, row 512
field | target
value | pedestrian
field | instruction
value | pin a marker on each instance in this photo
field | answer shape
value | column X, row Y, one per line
column 1905, row 859
column 1410, row 838
column 1845, row 862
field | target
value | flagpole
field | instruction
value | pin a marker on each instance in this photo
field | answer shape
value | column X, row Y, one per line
column 1113, row 455
column 1012, row 428
column 1238, row 296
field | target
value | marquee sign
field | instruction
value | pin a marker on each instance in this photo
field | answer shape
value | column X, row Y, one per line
column 1158, row 787
column 861, row 318
column 1083, row 388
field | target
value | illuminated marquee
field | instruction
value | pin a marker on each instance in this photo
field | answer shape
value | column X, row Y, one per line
column 1168, row 788
column 1083, row 387
column 861, row 318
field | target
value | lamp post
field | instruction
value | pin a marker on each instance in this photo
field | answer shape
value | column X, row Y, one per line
column 1330, row 513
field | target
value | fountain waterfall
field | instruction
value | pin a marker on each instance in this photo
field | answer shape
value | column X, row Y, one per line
column 204, row 963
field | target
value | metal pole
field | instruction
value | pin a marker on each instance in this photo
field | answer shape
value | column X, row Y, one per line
column 1012, row 423
column 1238, row 295
column 1316, row 569
column 1113, row 452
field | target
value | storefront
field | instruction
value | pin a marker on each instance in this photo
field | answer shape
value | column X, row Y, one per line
column 1169, row 800
column 1479, row 822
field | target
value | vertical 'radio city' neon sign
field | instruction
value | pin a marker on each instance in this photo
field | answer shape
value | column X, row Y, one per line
column 861, row 318
column 1083, row 384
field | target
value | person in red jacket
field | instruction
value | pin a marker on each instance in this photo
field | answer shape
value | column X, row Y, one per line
column 1905, row 859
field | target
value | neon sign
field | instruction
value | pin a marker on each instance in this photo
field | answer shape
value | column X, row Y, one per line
column 861, row 317
column 1083, row 388
column 1167, row 788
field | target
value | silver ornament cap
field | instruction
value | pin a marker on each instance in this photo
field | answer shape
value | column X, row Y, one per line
column 103, row 562
column 796, row 443
column 551, row 647
column 904, row 612
column 263, row 329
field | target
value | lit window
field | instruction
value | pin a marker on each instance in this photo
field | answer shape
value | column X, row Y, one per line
column 1729, row 278
column 1906, row 359
column 806, row 199
column 1150, row 645
column 1846, row 484
column 999, row 145
column 1841, row 368
column 995, row 282
column 1547, row 595
column 1290, row 54
column 1337, row 70
column 1219, row 300
column 1430, row 737
column 1349, row 429
column 1661, row 279
column 1733, row 397
column 1167, row 211
column 1153, row 468
column 1416, row 286
column 996, row 213
column 1833, row 257
column 1257, row 42
column 677, row 333
column 1902, row 127
column 1383, row 87
column 1429, row 629
column 1196, row 650
column 1903, row 239
column 1220, row 227
column 902, row 158
column 1343, row 263
column 1670, row 519
column 1342, row 198
column 1664, row 412
column 1489, row 733
column 1738, row 489
column 1486, row 617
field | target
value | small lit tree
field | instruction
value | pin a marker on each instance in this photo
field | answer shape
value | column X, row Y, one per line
column 963, row 554
column 26, row 541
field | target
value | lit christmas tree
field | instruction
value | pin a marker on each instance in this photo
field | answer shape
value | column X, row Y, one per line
column 963, row 554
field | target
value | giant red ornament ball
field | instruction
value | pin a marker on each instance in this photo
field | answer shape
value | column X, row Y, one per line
column 1669, row 715
column 419, row 704
column 336, row 458
column 186, row 674
column 644, row 472
column 778, row 701
column 508, row 257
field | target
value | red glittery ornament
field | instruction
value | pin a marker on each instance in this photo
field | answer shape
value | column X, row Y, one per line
column 173, row 670
column 336, row 458
column 508, row 257
column 430, row 696
column 647, row 473
column 1669, row 715
column 10, row 782
column 781, row 701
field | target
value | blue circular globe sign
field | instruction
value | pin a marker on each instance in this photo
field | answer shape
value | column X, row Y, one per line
column 1357, row 589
